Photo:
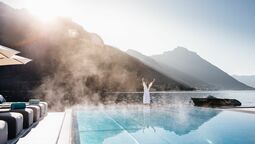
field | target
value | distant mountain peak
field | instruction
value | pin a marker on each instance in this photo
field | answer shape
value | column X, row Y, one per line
column 180, row 48
column 180, row 51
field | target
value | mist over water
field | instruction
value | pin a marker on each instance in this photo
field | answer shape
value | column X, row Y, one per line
column 81, row 68
column 76, row 67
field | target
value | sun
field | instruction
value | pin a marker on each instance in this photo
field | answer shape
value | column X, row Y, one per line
column 47, row 10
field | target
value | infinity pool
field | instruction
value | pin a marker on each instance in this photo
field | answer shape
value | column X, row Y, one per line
column 167, row 125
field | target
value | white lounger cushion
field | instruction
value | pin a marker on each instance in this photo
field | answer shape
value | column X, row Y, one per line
column 46, row 108
column 14, row 121
column 28, row 116
column 3, row 132
column 36, row 111
column 43, row 109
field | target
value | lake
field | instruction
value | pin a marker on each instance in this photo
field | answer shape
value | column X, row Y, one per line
column 247, row 98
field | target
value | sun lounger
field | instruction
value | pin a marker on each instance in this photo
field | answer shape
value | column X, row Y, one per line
column 26, row 112
column 14, row 121
column 33, row 102
column 46, row 108
column 3, row 132
column 36, row 112
column 36, row 109
column 43, row 106
column 27, row 116
column 39, row 110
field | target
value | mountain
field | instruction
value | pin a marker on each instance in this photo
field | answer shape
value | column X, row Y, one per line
column 190, row 63
column 170, row 71
column 246, row 79
column 70, row 65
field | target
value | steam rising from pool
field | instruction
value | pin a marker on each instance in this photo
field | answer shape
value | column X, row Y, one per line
column 81, row 68
column 78, row 68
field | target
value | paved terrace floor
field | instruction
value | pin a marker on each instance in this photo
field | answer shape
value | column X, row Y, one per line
column 49, row 130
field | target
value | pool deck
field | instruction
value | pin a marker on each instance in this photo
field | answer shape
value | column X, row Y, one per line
column 55, row 128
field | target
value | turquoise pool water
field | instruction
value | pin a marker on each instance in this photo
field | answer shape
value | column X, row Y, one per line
column 167, row 125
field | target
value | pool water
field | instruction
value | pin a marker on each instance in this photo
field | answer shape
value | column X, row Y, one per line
column 164, row 125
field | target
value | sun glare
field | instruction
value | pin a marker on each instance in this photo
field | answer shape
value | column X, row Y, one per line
column 47, row 10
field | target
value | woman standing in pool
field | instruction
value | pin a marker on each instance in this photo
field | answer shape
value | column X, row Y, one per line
column 146, row 94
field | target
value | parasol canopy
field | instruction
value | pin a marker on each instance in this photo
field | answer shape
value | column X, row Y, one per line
column 8, row 57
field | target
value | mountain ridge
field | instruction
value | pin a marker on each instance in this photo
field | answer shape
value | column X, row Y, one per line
column 169, row 71
column 189, row 68
column 188, row 61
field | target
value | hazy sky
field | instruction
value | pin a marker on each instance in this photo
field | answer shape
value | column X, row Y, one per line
column 221, row 31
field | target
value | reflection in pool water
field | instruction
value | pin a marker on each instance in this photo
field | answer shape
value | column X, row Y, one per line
column 157, row 125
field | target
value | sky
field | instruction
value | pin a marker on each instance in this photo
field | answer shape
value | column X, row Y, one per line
column 220, row 31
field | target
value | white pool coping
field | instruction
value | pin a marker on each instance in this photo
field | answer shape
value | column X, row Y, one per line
column 65, row 135
column 244, row 109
